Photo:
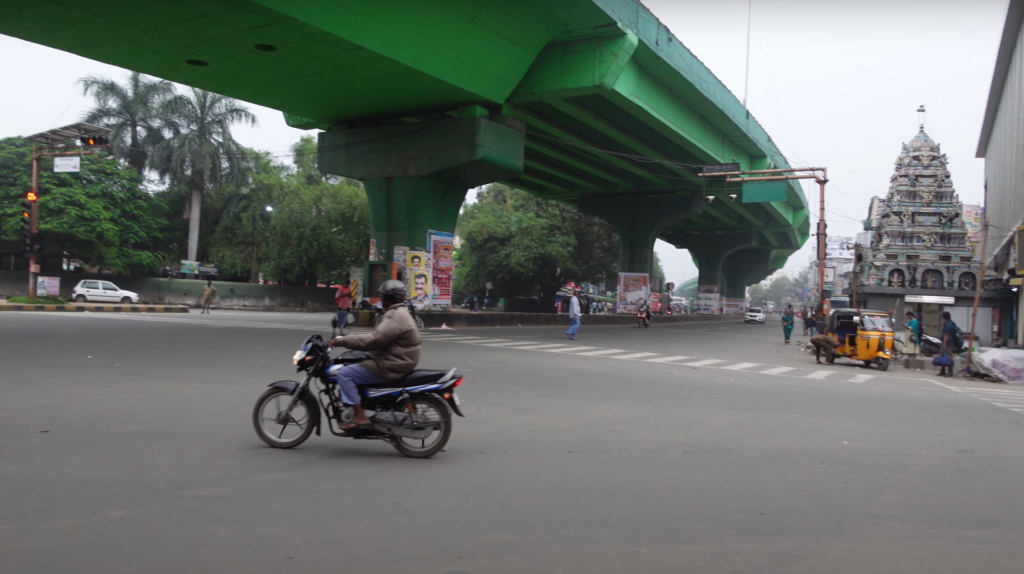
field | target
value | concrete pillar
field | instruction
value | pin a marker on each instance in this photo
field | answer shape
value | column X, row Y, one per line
column 710, row 251
column 403, row 209
column 416, row 175
column 638, row 219
column 741, row 268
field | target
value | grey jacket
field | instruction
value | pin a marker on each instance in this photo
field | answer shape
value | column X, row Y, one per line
column 394, row 345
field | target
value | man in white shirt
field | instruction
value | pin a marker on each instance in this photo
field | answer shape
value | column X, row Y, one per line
column 574, row 316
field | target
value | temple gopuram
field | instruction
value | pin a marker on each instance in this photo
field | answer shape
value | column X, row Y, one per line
column 919, row 253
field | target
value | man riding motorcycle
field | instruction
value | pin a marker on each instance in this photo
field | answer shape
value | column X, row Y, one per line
column 645, row 308
column 394, row 350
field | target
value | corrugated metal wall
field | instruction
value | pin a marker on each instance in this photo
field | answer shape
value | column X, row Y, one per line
column 1004, row 159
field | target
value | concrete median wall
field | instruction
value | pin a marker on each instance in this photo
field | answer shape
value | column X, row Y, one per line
column 457, row 320
column 158, row 291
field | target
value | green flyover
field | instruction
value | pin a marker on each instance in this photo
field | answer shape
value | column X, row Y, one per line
column 589, row 102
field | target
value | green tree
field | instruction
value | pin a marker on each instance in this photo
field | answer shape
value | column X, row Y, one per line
column 523, row 245
column 199, row 154
column 131, row 111
column 100, row 215
column 315, row 232
column 757, row 294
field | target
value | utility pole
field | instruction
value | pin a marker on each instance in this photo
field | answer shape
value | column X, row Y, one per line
column 818, row 174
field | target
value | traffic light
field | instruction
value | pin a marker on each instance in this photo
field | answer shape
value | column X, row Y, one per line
column 94, row 140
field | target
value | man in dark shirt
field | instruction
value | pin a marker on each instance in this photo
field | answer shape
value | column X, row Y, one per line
column 949, row 342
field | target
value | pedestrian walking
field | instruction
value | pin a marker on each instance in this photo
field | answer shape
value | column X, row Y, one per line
column 950, row 342
column 913, row 338
column 343, row 301
column 787, row 323
column 810, row 324
column 574, row 316
column 208, row 292
column 823, row 343
column 803, row 319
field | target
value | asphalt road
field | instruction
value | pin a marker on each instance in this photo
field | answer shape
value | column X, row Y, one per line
column 126, row 446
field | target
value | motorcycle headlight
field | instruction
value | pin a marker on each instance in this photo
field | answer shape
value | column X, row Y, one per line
column 298, row 355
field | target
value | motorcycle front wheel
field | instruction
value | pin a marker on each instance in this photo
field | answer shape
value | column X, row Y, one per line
column 419, row 323
column 427, row 411
column 277, row 428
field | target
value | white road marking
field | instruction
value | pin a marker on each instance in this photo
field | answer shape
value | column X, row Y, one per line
column 483, row 341
column 740, row 366
column 512, row 344
column 777, row 370
column 572, row 349
column 818, row 375
column 667, row 359
column 861, row 378
column 602, row 352
column 632, row 356
column 461, row 339
column 543, row 347
column 703, row 363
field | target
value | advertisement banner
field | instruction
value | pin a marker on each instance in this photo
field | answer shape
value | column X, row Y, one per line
column 400, row 259
column 373, row 249
column 441, row 246
column 708, row 300
column 418, row 278
column 734, row 306
column 190, row 267
column 633, row 288
column 71, row 164
column 47, row 286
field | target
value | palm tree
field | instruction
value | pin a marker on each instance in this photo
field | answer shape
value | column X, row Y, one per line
column 130, row 111
column 199, row 153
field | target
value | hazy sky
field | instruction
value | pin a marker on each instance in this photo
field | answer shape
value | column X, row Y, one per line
column 835, row 83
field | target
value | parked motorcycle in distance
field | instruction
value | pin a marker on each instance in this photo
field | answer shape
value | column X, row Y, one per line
column 931, row 346
column 412, row 414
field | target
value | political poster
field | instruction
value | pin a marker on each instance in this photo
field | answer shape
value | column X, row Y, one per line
column 708, row 300
column 418, row 278
column 734, row 306
column 441, row 246
column 634, row 288
column 47, row 286
column 400, row 260
column 373, row 249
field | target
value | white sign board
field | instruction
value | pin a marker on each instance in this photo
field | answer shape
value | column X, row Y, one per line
column 70, row 164
column 47, row 286
column 830, row 274
column 932, row 299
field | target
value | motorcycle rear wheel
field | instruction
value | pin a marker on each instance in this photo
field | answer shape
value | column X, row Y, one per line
column 427, row 409
column 266, row 419
column 419, row 323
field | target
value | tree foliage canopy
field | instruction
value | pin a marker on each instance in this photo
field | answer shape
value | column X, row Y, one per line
column 524, row 245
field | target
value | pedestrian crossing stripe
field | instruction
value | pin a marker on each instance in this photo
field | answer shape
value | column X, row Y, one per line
column 629, row 355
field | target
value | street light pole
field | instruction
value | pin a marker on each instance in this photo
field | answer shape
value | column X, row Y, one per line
column 818, row 174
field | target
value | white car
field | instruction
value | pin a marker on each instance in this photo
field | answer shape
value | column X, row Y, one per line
column 96, row 291
column 754, row 315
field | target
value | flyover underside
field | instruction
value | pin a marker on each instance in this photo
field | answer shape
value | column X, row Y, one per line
column 588, row 102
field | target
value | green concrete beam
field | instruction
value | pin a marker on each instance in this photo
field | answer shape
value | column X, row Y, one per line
column 560, row 172
column 586, row 144
column 575, row 161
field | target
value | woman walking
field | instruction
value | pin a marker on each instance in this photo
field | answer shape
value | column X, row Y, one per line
column 208, row 292
column 910, row 347
column 787, row 323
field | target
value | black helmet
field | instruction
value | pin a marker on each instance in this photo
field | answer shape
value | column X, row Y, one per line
column 395, row 288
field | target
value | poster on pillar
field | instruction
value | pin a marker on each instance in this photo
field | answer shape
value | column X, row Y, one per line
column 442, row 264
column 708, row 300
column 399, row 257
column 734, row 306
column 633, row 288
column 418, row 278
column 373, row 249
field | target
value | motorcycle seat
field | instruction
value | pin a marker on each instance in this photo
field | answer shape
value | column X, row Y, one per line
column 413, row 379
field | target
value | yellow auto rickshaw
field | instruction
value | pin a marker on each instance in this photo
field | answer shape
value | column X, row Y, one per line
column 863, row 335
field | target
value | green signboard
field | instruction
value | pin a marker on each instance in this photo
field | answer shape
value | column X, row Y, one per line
column 765, row 191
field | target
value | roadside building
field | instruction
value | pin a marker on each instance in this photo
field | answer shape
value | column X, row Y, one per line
column 1002, row 146
column 919, row 255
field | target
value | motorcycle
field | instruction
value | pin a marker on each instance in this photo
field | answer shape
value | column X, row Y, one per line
column 643, row 319
column 931, row 346
column 413, row 413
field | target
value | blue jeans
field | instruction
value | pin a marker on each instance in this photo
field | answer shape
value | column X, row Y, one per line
column 812, row 330
column 574, row 325
column 349, row 378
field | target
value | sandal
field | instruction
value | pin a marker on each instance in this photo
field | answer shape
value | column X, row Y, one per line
column 350, row 427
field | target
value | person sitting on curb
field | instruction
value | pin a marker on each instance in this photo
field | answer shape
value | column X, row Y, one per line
column 826, row 342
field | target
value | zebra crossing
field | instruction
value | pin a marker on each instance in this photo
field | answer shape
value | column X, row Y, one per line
column 569, row 348
column 1008, row 399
